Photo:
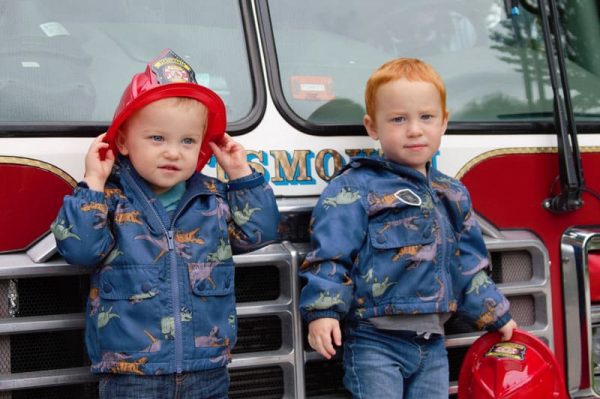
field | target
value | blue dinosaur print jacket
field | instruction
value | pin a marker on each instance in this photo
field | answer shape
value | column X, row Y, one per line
column 388, row 240
column 162, row 294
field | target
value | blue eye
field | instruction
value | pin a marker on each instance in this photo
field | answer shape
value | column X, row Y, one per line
column 157, row 138
column 398, row 119
column 188, row 141
column 427, row 117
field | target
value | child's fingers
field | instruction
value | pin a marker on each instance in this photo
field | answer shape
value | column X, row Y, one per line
column 109, row 155
column 507, row 330
column 337, row 336
column 215, row 149
column 319, row 343
column 328, row 347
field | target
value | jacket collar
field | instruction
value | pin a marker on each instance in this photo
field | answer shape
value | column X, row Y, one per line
column 198, row 184
column 378, row 161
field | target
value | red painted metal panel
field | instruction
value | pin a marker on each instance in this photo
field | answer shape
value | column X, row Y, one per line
column 31, row 197
column 508, row 190
column 594, row 268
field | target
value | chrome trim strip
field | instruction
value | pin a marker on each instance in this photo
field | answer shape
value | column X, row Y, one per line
column 575, row 244
column 55, row 322
column 46, row 378
column 287, row 258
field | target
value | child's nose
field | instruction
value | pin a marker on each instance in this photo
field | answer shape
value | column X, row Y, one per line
column 171, row 151
column 414, row 128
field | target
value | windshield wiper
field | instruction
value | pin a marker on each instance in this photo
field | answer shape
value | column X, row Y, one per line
column 570, row 169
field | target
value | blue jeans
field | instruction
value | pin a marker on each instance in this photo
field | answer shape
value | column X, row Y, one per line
column 209, row 384
column 394, row 364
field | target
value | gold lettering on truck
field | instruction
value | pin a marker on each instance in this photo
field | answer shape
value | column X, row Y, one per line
column 293, row 171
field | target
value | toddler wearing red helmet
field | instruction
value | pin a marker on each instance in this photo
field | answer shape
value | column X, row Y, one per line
column 160, row 237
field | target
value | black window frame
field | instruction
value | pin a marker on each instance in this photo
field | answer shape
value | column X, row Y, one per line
column 92, row 129
column 305, row 126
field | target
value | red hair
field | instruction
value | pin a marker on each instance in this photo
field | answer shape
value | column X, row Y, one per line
column 411, row 69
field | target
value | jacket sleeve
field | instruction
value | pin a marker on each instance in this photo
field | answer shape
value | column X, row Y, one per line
column 82, row 229
column 338, row 231
column 480, row 300
column 254, row 214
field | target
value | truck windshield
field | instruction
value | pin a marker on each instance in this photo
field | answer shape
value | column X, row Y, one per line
column 68, row 61
column 494, row 66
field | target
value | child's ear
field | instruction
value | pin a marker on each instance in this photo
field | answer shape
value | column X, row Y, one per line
column 370, row 126
column 445, row 123
column 120, row 142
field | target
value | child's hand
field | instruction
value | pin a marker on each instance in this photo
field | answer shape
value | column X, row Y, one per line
column 507, row 330
column 231, row 155
column 96, row 169
column 320, row 332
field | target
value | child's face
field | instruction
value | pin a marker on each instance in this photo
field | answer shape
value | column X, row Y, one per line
column 409, row 122
column 162, row 141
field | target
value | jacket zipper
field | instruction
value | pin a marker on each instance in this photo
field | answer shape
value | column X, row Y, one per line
column 445, row 273
column 169, row 234
column 175, row 291
column 176, row 302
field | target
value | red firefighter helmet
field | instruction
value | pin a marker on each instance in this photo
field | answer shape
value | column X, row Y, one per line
column 523, row 367
column 169, row 76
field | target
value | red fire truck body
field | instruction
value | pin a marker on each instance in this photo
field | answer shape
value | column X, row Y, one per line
column 523, row 82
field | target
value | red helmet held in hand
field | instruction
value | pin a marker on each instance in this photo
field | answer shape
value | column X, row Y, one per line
column 523, row 367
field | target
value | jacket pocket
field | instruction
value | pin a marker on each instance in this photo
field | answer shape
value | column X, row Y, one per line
column 211, row 278
column 403, row 250
column 129, row 307
column 401, row 232
column 214, row 314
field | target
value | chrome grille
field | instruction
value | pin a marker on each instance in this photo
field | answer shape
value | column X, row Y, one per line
column 270, row 345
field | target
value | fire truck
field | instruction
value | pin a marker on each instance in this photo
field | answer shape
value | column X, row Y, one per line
column 523, row 82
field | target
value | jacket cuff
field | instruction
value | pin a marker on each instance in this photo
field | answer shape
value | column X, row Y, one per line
column 321, row 315
column 502, row 320
column 254, row 179
column 83, row 191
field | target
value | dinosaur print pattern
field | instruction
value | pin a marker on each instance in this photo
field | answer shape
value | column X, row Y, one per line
column 326, row 301
column 94, row 300
column 133, row 245
column 221, row 211
column 101, row 213
column 408, row 223
column 200, row 272
column 62, row 232
column 344, row 197
column 155, row 343
column 114, row 254
column 410, row 250
column 212, row 339
column 222, row 253
column 225, row 356
column 109, row 360
column 378, row 202
column 189, row 237
column 122, row 217
column 163, row 244
column 113, row 193
column 379, row 288
column 210, row 186
column 133, row 367
column 137, row 298
column 167, row 324
column 242, row 216
column 105, row 316
column 492, row 311
column 479, row 281
column 413, row 247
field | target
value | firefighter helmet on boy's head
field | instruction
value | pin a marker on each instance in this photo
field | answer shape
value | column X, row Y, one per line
column 168, row 75
column 523, row 367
